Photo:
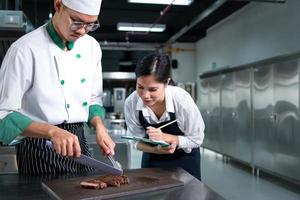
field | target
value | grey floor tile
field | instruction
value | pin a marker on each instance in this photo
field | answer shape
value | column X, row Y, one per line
column 235, row 181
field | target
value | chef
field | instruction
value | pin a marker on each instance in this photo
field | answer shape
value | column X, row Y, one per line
column 50, row 84
column 156, row 103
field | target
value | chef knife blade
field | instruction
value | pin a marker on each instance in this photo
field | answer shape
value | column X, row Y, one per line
column 91, row 162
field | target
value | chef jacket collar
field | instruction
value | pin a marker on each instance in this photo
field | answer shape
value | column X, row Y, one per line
column 169, row 104
column 57, row 39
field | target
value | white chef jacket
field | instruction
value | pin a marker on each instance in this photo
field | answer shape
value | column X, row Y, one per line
column 177, row 101
column 47, row 84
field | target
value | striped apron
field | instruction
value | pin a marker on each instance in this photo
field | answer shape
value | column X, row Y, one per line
column 188, row 161
column 34, row 157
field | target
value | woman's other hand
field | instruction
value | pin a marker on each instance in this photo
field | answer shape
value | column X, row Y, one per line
column 165, row 150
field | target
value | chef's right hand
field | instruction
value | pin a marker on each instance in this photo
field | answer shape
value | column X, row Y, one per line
column 65, row 143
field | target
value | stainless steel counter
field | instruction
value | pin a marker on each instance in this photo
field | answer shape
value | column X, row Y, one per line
column 29, row 187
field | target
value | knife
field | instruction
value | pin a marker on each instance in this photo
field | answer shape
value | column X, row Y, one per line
column 91, row 162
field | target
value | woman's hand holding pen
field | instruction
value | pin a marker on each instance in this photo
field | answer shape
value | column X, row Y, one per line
column 155, row 133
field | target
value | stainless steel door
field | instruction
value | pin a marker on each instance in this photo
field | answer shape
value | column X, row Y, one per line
column 242, row 115
column 286, row 96
column 214, row 113
column 204, row 109
column 264, row 117
column 228, row 105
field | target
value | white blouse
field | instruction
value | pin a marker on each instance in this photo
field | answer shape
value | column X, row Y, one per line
column 178, row 101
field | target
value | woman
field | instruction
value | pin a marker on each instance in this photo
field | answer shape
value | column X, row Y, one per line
column 155, row 103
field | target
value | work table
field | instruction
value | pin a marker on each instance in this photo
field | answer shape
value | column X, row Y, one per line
column 14, row 186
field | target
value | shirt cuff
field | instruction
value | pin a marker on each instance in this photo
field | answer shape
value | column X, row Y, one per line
column 13, row 125
column 183, row 144
column 96, row 110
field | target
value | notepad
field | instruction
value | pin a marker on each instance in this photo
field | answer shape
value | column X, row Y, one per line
column 146, row 140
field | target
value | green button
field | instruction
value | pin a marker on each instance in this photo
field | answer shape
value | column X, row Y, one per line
column 82, row 80
column 84, row 103
column 62, row 82
column 78, row 56
column 68, row 105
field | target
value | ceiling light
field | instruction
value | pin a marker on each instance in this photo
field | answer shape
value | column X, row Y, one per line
column 176, row 2
column 140, row 27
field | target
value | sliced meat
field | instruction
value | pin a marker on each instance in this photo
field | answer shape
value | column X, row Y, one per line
column 104, row 181
column 101, row 183
column 89, row 185
column 115, row 181
column 93, row 184
column 111, row 180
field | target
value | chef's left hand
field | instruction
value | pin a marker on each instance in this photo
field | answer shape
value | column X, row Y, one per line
column 105, row 141
column 154, row 133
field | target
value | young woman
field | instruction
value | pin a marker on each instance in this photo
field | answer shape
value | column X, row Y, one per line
column 155, row 103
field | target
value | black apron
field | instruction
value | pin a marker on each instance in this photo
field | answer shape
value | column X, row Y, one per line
column 34, row 157
column 188, row 161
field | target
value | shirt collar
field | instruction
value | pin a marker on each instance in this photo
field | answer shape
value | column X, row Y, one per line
column 169, row 100
column 57, row 39
column 169, row 103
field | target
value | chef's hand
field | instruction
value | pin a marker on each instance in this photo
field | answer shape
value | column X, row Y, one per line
column 105, row 141
column 64, row 142
column 154, row 133
column 165, row 150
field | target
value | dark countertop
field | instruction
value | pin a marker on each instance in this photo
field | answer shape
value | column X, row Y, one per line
column 14, row 186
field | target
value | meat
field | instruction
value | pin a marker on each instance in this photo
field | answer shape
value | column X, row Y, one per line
column 93, row 184
column 115, row 181
column 105, row 181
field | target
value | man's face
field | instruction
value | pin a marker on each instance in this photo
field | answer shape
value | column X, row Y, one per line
column 73, row 25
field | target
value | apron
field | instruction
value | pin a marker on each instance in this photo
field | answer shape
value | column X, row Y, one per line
column 188, row 161
column 34, row 157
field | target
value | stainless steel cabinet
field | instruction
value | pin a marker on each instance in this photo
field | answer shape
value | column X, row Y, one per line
column 204, row 109
column 210, row 101
column 228, row 112
column 286, row 110
column 264, row 117
column 236, row 121
column 242, row 115
column 252, row 114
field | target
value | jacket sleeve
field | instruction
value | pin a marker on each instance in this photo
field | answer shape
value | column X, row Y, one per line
column 15, row 80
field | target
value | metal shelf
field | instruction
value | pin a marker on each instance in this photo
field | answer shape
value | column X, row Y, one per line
column 118, row 76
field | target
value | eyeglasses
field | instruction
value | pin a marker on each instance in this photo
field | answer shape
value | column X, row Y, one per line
column 88, row 26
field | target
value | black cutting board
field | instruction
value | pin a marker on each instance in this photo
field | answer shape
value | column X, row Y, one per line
column 141, row 181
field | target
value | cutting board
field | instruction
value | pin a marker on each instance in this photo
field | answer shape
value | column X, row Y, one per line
column 141, row 181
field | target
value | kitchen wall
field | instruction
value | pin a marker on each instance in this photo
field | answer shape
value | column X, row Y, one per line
column 184, row 53
column 258, row 31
